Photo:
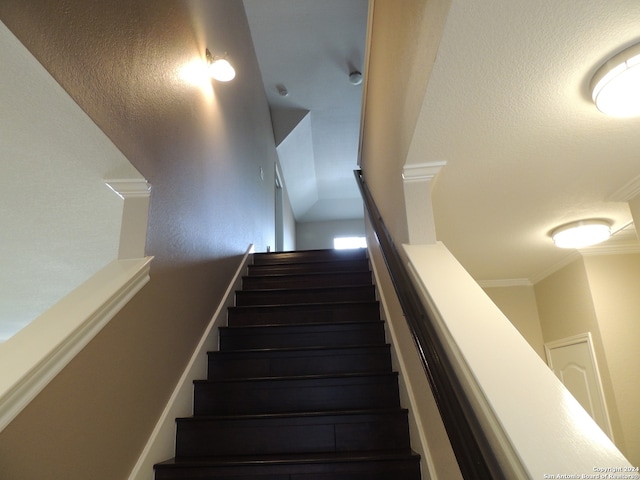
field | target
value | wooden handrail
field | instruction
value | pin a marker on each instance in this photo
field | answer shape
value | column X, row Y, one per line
column 470, row 445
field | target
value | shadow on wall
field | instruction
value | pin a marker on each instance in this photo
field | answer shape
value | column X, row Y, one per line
column 62, row 223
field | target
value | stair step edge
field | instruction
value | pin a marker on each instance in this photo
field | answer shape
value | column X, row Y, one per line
column 300, row 325
column 357, row 456
column 319, row 348
column 337, row 376
column 307, row 414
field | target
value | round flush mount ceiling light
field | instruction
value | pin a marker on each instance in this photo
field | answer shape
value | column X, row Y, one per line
column 219, row 68
column 581, row 234
column 616, row 85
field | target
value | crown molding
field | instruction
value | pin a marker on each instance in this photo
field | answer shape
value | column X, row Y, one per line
column 507, row 282
column 626, row 192
column 541, row 275
column 613, row 249
column 422, row 171
column 618, row 248
column 129, row 187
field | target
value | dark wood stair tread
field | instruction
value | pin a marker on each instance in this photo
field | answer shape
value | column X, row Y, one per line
column 367, row 455
column 378, row 465
column 313, row 360
column 302, row 386
column 346, row 311
column 285, row 350
column 357, row 264
column 300, row 280
column 307, row 414
column 307, row 256
column 296, row 394
column 336, row 377
column 333, row 334
column 283, row 296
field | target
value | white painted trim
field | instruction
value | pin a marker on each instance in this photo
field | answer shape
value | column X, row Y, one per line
column 35, row 355
column 135, row 214
column 418, row 180
column 129, row 187
column 422, row 171
column 612, row 249
column 423, row 442
column 504, row 377
column 541, row 275
column 365, row 83
column 161, row 443
column 627, row 192
column 507, row 282
column 615, row 248
column 573, row 340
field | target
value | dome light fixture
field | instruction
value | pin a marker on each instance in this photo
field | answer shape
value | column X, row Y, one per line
column 582, row 233
column 615, row 86
column 219, row 68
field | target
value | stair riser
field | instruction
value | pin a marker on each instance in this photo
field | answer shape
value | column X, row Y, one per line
column 306, row 281
column 366, row 470
column 308, row 256
column 302, row 336
column 302, row 387
column 295, row 395
column 301, row 314
column 317, row 267
column 279, row 364
column 319, row 295
column 297, row 435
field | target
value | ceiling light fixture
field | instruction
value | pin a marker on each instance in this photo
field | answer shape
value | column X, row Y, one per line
column 616, row 85
column 219, row 68
column 582, row 233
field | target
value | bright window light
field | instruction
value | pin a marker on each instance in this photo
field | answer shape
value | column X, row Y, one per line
column 343, row 243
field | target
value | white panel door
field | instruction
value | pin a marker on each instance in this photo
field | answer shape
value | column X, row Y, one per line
column 573, row 361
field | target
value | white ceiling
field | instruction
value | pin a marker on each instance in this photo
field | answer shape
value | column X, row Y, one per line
column 526, row 149
column 507, row 107
column 310, row 47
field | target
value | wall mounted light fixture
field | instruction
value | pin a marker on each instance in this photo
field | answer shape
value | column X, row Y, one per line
column 616, row 85
column 582, row 233
column 219, row 68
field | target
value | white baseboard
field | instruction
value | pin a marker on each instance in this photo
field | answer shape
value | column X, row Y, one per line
column 161, row 443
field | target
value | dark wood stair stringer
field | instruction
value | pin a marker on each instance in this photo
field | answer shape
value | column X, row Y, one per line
column 302, row 387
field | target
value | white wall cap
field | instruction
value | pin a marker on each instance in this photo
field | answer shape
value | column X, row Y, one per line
column 422, row 171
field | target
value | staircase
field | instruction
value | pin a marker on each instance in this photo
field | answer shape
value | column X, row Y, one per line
column 302, row 387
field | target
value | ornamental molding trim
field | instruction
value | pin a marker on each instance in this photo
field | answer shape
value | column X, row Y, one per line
column 627, row 192
column 422, row 171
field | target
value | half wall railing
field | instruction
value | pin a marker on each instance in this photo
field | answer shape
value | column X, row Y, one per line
column 475, row 457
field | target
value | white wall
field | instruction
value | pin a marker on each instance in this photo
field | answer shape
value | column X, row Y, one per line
column 288, row 223
column 60, row 222
column 319, row 235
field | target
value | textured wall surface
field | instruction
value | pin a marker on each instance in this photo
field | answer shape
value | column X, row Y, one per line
column 137, row 69
column 52, row 185
column 404, row 45
column 518, row 303
column 614, row 282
